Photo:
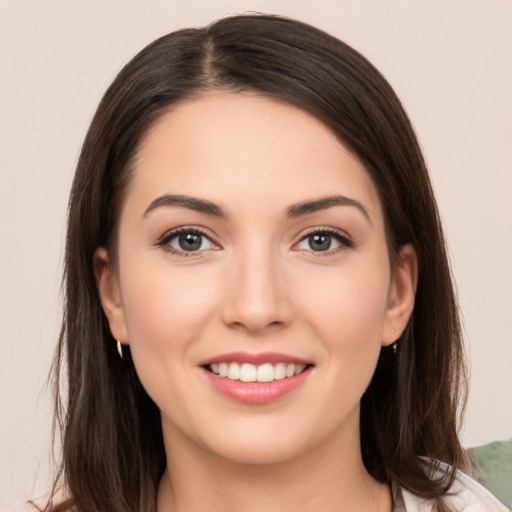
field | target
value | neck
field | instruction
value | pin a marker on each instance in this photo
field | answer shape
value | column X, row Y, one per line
column 198, row 480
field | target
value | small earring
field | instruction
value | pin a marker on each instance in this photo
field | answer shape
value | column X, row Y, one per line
column 394, row 344
column 120, row 349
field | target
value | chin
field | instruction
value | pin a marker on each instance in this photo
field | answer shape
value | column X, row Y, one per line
column 259, row 451
column 258, row 441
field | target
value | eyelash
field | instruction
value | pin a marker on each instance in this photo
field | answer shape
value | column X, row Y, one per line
column 339, row 236
column 165, row 240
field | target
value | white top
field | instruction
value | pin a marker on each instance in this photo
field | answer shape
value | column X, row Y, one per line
column 466, row 495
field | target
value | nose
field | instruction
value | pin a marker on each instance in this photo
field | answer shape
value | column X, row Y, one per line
column 257, row 299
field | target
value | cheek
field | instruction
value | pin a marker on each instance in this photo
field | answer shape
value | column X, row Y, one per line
column 345, row 309
column 352, row 300
column 163, row 306
column 166, row 313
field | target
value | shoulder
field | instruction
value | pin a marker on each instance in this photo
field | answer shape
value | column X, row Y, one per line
column 465, row 495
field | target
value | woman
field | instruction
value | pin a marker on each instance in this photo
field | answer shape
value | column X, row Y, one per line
column 259, row 308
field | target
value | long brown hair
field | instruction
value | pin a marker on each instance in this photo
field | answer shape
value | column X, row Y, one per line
column 112, row 449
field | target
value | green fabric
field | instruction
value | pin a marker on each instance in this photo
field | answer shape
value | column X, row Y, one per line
column 494, row 468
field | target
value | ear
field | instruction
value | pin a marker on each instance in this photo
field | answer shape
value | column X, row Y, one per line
column 402, row 290
column 110, row 295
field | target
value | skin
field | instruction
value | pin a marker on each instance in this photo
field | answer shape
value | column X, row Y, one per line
column 256, row 285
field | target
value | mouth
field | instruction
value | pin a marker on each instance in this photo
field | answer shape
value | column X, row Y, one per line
column 247, row 372
column 256, row 378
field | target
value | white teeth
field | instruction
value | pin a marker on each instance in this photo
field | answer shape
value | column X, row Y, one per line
column 266, row 372
column 234, row 371
column 280, row 371
column 247, row 372
column 299, row 369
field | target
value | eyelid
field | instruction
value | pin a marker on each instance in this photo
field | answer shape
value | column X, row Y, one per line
column 163, row 241
column 341, row 236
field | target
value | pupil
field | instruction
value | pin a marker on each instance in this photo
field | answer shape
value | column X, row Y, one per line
column 320, row 242
column 190, row 242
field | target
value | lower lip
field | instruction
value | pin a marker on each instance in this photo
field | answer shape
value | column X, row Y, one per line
column 256, row 392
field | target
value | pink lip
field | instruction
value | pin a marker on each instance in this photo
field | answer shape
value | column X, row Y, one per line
column 254, row 358
column 256, row 392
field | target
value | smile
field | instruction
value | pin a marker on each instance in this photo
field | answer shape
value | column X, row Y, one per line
column 247, row 372
column 256, row 378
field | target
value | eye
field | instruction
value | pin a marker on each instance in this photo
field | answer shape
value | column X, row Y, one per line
column 323, row 241
column 185, row 241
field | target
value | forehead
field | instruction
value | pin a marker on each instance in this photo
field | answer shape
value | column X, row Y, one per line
column 235, row 149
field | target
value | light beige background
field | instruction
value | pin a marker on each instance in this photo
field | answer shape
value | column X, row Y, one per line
column 450, row 62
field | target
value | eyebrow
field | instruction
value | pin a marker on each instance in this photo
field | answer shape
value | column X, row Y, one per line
column 192, row 203
column 294, row 211
column 308, row 207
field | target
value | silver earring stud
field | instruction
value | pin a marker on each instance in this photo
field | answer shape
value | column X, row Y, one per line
column 120, row 349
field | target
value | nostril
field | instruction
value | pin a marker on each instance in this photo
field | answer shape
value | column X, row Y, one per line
column 254, row 325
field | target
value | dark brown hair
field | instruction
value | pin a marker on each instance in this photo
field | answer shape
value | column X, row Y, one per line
column 112, row 449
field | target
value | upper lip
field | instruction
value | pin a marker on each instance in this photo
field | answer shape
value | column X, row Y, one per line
column 254, row 358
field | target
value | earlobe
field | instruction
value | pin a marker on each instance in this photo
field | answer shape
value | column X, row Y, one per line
column 109, row 293
column 402, row 291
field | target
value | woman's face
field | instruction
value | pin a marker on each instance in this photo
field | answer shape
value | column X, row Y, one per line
column 252, row 244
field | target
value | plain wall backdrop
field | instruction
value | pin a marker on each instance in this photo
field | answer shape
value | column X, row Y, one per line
column 450, row 61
